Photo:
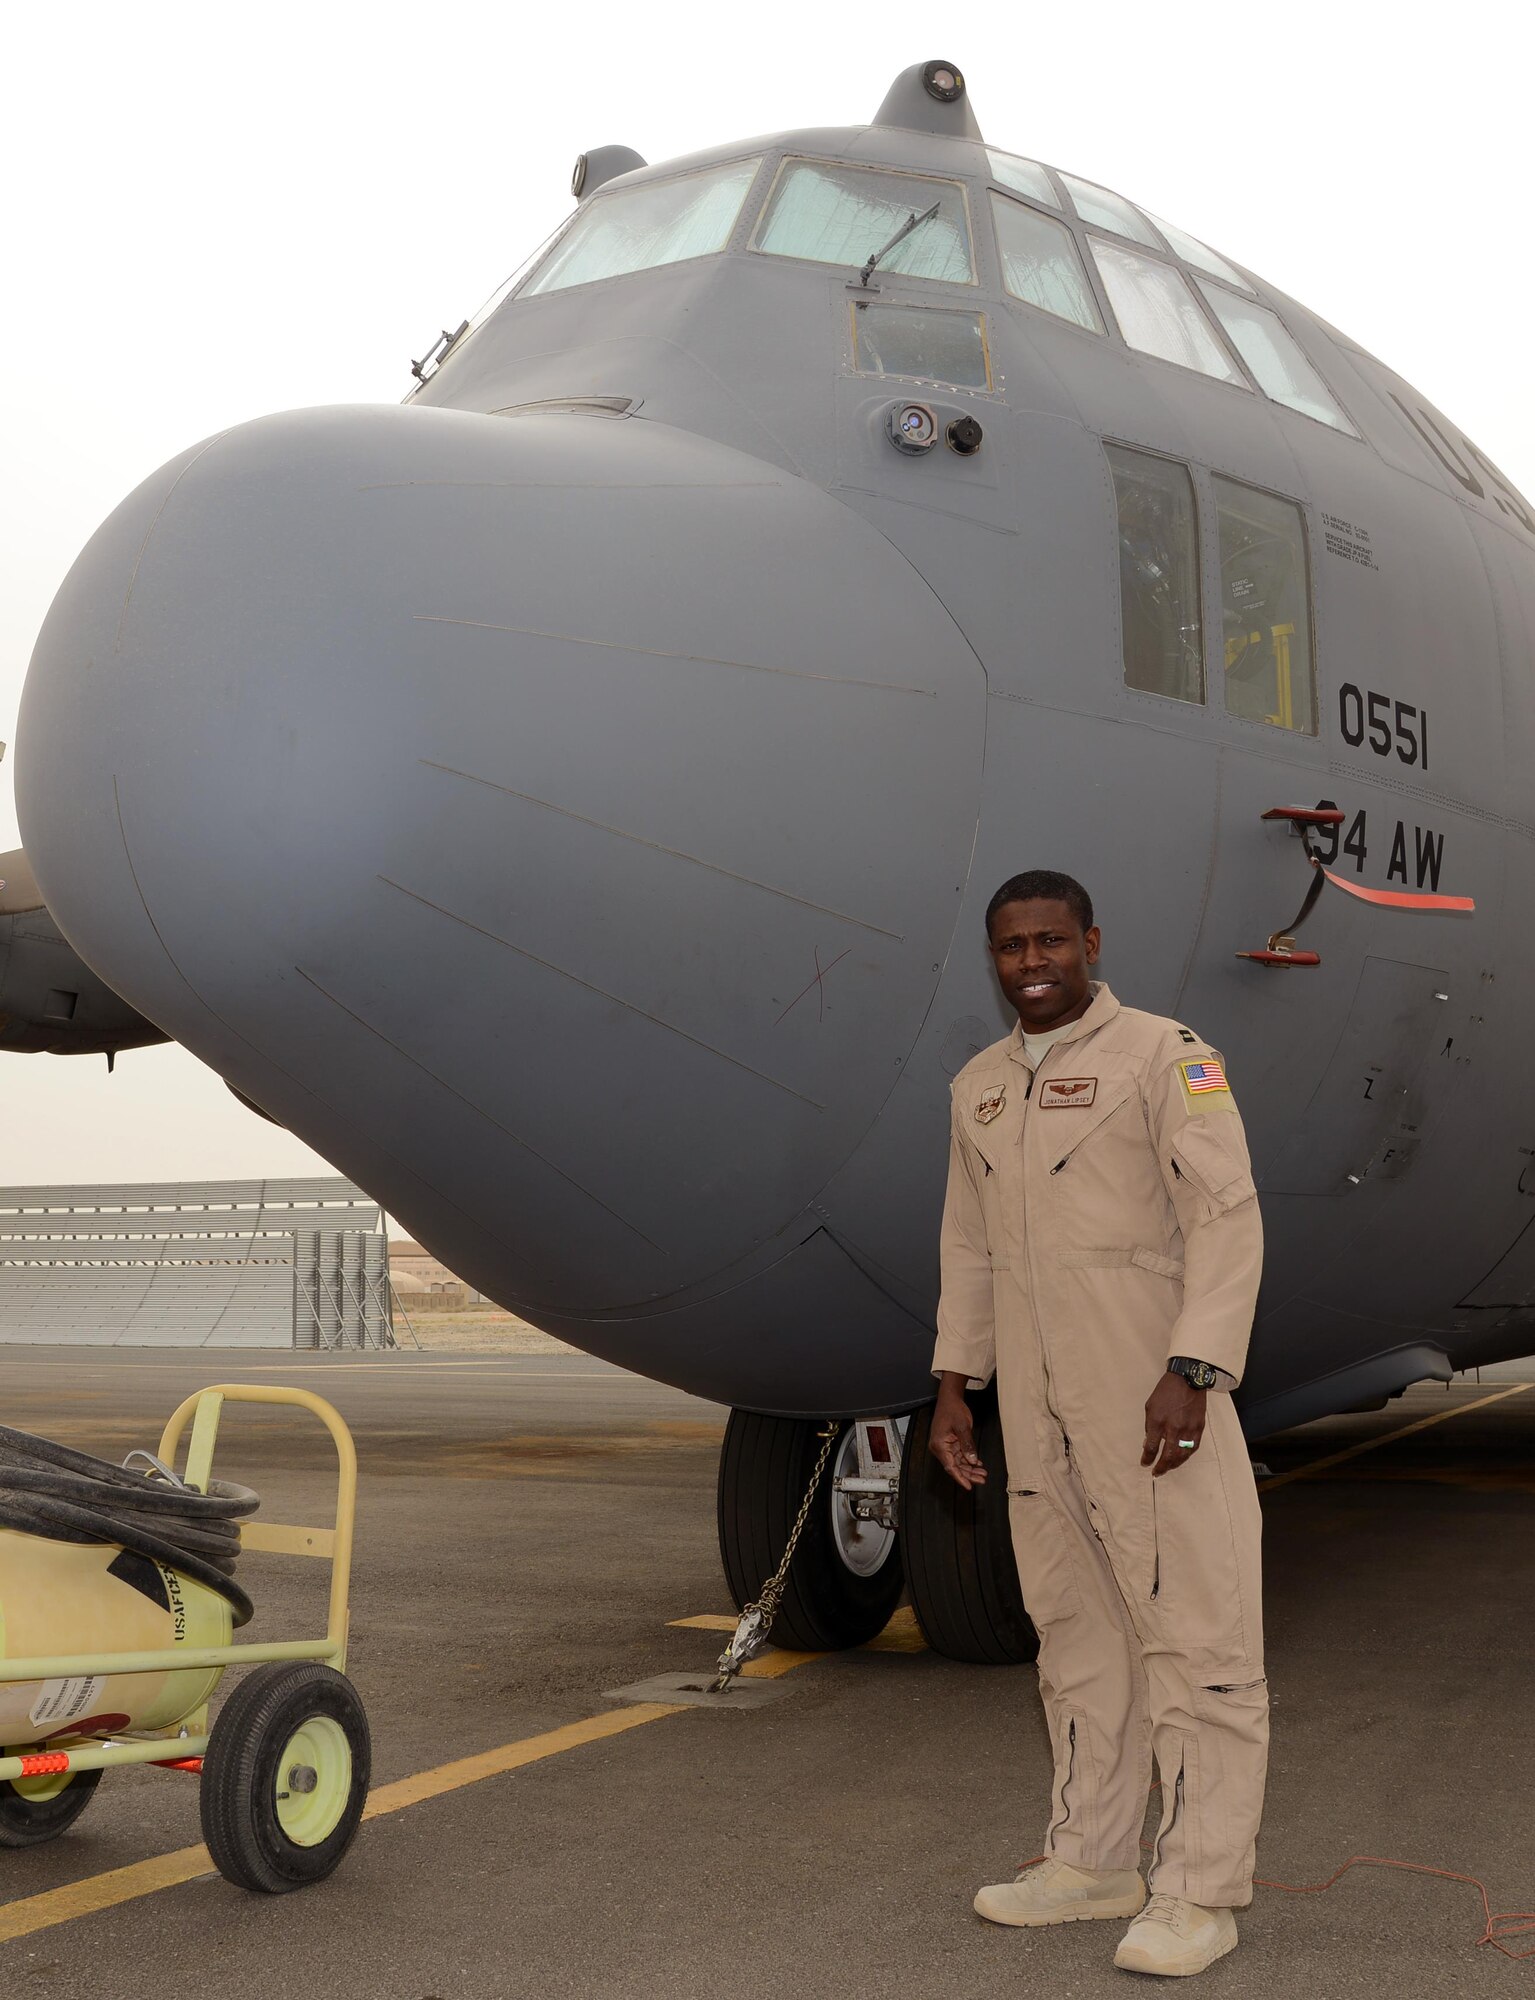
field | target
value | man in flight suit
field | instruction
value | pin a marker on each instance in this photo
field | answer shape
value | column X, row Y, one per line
column 1101, row 1255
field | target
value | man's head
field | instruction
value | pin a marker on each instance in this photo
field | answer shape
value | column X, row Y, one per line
column 1042, row 937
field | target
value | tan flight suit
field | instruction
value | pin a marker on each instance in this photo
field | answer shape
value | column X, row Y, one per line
column 1101, row 1217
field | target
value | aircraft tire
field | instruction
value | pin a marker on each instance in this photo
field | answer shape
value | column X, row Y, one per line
column 958, row 1549
column 765, row 1466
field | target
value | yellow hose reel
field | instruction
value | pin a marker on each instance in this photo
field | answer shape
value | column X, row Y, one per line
column 109, row 1656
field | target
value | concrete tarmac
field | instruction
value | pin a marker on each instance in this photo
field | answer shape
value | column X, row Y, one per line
column 528, row 1529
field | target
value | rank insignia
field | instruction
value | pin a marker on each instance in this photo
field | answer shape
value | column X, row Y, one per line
column 1068, row 1093
column 991, row 1103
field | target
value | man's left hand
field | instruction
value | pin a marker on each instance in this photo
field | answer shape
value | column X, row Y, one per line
column 1175, row 1421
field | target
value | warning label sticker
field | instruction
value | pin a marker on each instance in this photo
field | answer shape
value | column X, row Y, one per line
column 59, row 1703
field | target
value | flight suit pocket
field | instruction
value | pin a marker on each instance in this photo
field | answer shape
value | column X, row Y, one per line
column 1044, row 1560
column 1213, row 1160
column 1196, row 1583
column 1069, row 1131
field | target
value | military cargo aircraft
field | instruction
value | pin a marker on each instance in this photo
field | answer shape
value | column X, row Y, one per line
column 568, row 801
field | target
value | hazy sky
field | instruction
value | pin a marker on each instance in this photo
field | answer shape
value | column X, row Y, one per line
column 213, row 212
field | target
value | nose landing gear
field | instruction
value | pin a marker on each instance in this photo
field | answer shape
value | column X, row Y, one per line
column 885, row 1516
column 846, row 1576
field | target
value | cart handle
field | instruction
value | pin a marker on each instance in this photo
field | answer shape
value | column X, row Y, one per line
column 204, row 1410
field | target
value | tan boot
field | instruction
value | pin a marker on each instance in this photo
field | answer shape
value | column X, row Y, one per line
column 1175, row 1939
column 1053, row 1892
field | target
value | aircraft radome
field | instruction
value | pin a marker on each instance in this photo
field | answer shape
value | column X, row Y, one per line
column 568, row 801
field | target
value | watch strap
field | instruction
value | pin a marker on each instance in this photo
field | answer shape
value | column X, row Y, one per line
column 1201, row 1374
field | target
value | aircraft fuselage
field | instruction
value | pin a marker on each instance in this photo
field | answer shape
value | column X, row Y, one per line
column 569, row 801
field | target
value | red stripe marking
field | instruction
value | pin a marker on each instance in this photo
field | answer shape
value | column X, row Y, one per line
column 47, row 1765
column 1307, row 815
column 1398, row 899
column 1282, row 957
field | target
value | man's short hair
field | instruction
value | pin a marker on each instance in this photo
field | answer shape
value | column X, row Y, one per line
column 1043, row 885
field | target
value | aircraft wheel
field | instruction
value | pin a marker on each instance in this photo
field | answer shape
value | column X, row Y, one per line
column 846, row 1575
column 285, row 1777
column 958, row 1549
column 33, row 1810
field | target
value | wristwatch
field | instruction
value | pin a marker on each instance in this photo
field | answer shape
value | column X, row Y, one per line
column 1199, row 1374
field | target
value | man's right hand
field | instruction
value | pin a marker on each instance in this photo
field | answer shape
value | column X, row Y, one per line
column 951, row 1438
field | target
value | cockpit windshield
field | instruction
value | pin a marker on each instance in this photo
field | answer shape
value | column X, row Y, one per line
column 637, row 228
column 843, row 215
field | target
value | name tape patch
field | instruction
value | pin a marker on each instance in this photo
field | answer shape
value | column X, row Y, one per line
column 1068, row 1093
column 1202, row 1076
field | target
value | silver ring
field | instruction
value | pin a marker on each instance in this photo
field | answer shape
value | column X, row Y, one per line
column 1187, row 1444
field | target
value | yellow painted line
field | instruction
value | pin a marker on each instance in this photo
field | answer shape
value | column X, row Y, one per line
column 512, row 1756
column 1389, row 1437
column 168, row 1871
column 777, row 1660
column 101, row 1892
column 29, row 1914
column 902, row 1635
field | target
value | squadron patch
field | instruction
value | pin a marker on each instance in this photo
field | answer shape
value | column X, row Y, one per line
column 1068, row 1093
column 1199, row 1077
column 991, row 1103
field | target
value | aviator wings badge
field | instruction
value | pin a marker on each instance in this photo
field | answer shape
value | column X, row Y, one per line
column 990, row 1104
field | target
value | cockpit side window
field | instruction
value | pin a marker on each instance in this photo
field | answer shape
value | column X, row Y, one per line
column 1158, row 314
column 1109, row 211
column 1265, row 608
column 927, row 342
column 1042, row 264
column 1023, row 177
column 1271, row 352
column 638, row 228
column 1160, row 627
column 1200, row 255
column 832, row 214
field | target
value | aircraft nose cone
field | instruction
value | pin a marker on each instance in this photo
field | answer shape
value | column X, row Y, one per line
column 557, row 821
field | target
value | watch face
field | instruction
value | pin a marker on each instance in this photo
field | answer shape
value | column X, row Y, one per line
column 1199, row 1373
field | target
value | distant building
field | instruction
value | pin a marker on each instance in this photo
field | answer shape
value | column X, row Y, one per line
column 268, row 1263
column 422, row 1284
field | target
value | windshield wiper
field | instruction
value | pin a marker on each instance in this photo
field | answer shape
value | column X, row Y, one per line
column 912, row 222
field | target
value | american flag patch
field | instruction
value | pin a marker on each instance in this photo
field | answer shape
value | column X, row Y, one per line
column 1198, row 1076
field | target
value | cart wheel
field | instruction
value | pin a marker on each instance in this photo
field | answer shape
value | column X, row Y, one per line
column 285, row 1776
column 33, row 1810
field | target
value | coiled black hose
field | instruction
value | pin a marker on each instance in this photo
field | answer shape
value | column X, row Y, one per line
column 68, row 1496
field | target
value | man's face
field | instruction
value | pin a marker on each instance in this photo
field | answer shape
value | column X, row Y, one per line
column 1042, row 957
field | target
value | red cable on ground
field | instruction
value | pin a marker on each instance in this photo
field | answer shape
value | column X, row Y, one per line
column 1503, row 1924
column 1497, row 1925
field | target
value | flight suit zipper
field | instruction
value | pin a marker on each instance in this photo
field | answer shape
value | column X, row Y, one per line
column 1028, row 1234
column 1063, row 1805
column 1169, row 1821
column 1156, row 1548
column 1092, row 1132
